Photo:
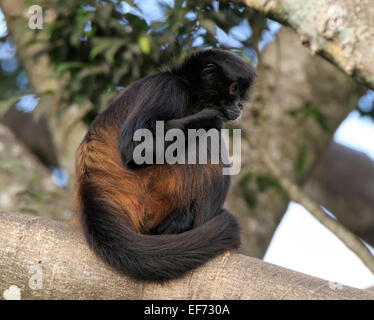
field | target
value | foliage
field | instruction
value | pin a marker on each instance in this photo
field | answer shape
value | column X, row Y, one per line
column 308, row 109
column 98, row 47
column 250, row 185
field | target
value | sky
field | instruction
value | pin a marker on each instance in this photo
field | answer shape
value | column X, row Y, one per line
column 300, row 243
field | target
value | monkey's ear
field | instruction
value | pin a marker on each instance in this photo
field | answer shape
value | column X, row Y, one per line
column 209, row 68
column 209, row 71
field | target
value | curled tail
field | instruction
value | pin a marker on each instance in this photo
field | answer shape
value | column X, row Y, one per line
column 155, row 257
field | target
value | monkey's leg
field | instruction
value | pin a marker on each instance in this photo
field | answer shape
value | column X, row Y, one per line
column 176, row 222
column 202, row 217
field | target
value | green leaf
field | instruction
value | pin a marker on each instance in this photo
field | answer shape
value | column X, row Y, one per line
column 106, row 44
column 34, row 179
column 5, row 105
column 12, row 164
column 248, row 194
column 309, row 110
column 62, row 67
column 301, row 159
column 208, row 25
column 323, row 122
column 264, row 182
column 110, row 53
column 89, row 71
column 250, row 198
column 245, row 179
column 144, row 44
column 37, row 195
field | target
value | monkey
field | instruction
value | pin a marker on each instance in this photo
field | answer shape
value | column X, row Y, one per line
column 155, row 222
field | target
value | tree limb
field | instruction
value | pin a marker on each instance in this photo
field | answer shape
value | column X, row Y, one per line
column 296, row 195
column 26, row 185
column 340, row 31
column 68, row 131
column 314, row 83
column 71, row 271
column 352, row 203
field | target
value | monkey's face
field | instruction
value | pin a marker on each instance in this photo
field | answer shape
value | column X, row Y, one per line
column 217, row 79
column 232, row 106
column 224, row 92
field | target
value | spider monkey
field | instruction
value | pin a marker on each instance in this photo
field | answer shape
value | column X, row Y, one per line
column 156, row 222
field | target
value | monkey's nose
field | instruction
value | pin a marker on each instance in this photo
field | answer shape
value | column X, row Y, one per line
column 240, row 106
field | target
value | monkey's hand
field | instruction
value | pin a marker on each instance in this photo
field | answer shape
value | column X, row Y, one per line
column 205, row 119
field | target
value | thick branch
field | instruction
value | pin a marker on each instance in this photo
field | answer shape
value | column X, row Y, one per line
column 67, row 130
column 352, row 203
column 341, row 31
column 296, row 195
column 314, row 83
column 26, row 185
column 71, row 271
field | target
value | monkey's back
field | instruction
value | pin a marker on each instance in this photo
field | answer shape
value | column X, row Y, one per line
column 146, row 195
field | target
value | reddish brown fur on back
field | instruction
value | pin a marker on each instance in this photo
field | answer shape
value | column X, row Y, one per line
column 145, row 195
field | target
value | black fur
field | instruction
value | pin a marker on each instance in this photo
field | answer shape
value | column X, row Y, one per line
column 187, row 89
column 192, row 95
column 156, row 257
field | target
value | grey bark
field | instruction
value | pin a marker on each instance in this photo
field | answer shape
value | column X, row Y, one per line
column 40, row 142
column 70, row 271
column 340, row 31
column 67, row 128
column 343, row 182
column 289, row 79
column 26, row 185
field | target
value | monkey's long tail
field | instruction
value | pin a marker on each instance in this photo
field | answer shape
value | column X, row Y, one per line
column 155, row 257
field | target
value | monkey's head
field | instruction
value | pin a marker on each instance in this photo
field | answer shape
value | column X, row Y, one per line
column 216, row 79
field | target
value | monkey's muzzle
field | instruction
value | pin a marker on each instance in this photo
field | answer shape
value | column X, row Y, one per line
column 233, row 112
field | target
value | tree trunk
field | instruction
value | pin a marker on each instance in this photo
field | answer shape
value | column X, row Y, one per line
column 67, row 130
column 340, row 31
column 26, row 185
column 290, row 82
column 343, row 182
column 46, row 259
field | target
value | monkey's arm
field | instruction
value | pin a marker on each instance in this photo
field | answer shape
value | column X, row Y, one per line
column 165, row 106
column 205, row 119
column 163, row 98
column 180, row 220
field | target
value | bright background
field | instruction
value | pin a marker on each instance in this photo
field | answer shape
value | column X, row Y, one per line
column 301, row 243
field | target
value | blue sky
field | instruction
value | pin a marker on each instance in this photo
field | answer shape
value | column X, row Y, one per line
column 301, row 243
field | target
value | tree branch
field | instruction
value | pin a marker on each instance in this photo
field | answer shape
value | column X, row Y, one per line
column 296, row 195
column 314, row 84
column 68, row 130
column 352, row 203
column 340, row 31
column 26, row 185
column 71, row 271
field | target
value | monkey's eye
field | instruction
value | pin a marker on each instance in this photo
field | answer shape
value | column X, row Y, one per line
column 234, row 88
